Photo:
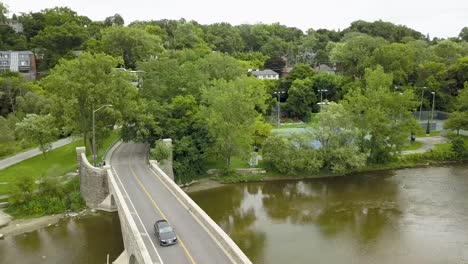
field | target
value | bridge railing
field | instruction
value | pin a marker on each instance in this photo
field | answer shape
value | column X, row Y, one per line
column 132, row 238
column 227, row 244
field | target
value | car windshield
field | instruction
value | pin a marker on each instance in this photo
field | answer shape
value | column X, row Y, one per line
column 165, row 229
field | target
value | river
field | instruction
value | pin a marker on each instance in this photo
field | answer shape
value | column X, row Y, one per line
column 417, row 215
column 79, row 241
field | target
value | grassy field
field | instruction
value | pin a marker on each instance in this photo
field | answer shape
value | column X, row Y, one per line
column 58, row 162
column 9, row 149
column 413, row 146
column 433, row 133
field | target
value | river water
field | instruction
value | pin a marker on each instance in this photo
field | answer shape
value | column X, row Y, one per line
column 79, row 241
column 417, row 215
column 404, row 216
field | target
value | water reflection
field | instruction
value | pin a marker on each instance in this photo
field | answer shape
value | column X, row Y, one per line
column 406, row 216
column 87, row 240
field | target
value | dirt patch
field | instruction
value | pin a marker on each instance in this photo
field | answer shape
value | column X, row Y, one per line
column 20, row 226
column 202, row 184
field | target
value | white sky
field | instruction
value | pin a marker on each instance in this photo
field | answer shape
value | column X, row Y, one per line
column 438, row 18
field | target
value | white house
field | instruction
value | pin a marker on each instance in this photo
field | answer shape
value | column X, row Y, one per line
column 266, row 74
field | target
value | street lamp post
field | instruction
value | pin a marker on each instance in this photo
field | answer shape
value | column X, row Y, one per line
column 94, row 131
column 433, row 104
column 420, row 107
column 395, row 88
column 278, row 94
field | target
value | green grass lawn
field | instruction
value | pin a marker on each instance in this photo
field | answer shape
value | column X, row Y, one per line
column 57, row 163
column 8, row 149
column 433, row 133
column 413, row 146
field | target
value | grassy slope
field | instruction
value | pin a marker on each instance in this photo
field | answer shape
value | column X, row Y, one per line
column 58, row 162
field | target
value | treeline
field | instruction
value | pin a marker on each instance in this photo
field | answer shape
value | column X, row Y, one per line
column 194, row 86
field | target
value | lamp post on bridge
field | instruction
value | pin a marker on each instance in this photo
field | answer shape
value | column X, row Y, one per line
column 278, row 93
column 94, row 132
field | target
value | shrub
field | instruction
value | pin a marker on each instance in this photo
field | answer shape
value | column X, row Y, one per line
column 458, row 147
column 161, row 151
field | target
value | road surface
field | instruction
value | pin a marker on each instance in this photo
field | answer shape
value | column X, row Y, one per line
column 149, row 200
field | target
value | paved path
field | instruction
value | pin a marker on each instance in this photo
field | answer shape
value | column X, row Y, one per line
column 31, row 153
column 150, row 200
column 427, row 144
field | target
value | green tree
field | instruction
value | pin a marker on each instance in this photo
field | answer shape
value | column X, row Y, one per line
column 355, row 52
column 132, row 44
column 464, row 34
column 383, row 117
column 81, row 85
column 338, row 139
column 3, row 12
column 230, row 115
column 39, row 130
column 301, row 99
column 291, row 154
column 187, row 36
column 6, row 133
column 12, row 86
column 224, row 37
column 457, row 121
column 398, row 59
column 220, row 66
column 56, row 41
column 115, row 20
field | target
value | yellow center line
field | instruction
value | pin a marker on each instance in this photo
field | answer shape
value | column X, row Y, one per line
column 159, row 210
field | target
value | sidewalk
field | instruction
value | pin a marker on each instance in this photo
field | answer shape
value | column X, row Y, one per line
column 31, row 153
column 427, row 144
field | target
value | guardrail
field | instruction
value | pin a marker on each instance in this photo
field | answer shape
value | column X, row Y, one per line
column 224, row 240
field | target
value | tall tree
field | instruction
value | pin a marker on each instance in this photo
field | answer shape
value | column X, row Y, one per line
column 301, row 99
column 131, row 43
column 384, row 118
column 82, row 85
column 231, row 114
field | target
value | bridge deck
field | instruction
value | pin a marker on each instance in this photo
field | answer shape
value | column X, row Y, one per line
column 149, row 200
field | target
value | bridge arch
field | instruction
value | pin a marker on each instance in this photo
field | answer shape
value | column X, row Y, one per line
column 112, row 201
column 132, row 260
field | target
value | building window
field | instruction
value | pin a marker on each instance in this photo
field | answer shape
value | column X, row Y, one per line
column 24, row 63
column 5, row 56
column 4, row 62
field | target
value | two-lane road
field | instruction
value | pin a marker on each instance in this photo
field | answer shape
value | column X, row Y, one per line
column 149, row 200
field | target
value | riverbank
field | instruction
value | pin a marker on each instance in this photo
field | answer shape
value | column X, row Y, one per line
column 26, row 225
column 217, row 181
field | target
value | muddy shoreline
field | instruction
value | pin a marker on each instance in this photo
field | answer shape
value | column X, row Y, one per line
column 22, row 226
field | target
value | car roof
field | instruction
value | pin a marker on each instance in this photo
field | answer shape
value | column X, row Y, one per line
column 162, row 223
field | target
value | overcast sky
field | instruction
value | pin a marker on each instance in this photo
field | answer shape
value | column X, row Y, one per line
column 438, row 18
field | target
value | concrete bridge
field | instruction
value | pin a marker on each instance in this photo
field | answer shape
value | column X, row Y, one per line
column 142, row 193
